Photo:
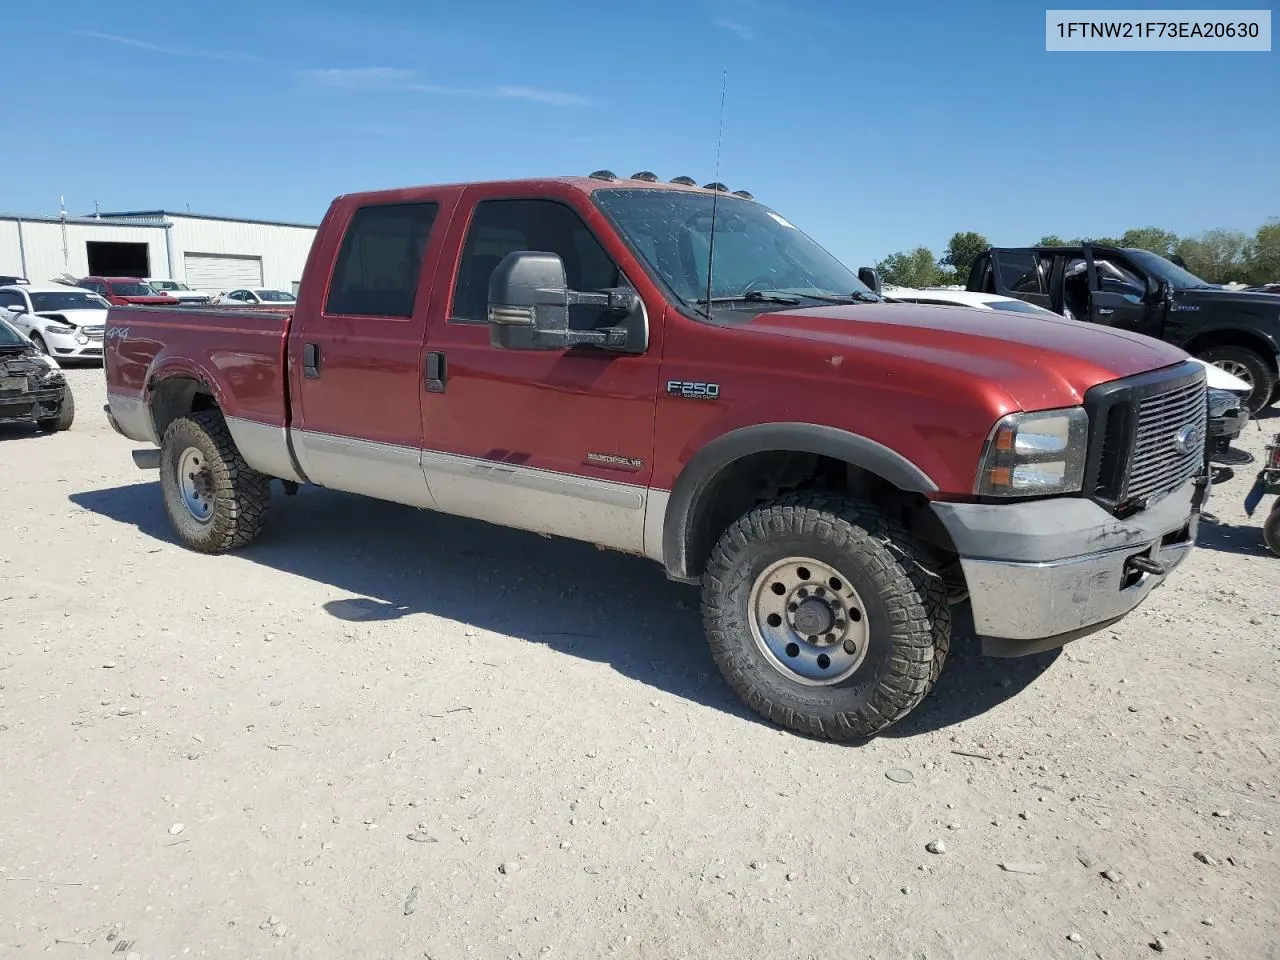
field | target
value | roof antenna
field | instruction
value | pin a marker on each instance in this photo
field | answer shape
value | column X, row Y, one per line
column 711, row 243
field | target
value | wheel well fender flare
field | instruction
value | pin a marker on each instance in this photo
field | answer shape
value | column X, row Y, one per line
column 688, row 493
column 166, row 372
column 1231, row 335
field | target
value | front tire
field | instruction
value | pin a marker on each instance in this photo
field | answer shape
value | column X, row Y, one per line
column 215, row 501
column 66, row 414
column 1271, row 530
column 38, row 342
column 1251, row 367
column 822, row 618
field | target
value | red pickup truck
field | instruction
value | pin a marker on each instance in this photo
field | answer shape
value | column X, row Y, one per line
column 834, row 470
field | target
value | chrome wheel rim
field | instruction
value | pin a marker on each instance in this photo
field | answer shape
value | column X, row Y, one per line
column 808, row 621
column 1236, row 369
column 195, row 483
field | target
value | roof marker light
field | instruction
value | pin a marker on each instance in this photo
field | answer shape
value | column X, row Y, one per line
column 604, row 175
column 645, row 175
column 686, row 181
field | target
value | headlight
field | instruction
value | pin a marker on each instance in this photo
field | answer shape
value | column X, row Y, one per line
column 1035, row 454
column 59, row 328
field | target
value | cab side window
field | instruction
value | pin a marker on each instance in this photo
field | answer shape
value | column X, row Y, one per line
column 9, row 299
column 378, row 267
column 500, row 227
column 1018, row 273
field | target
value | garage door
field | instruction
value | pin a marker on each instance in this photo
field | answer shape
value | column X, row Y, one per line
column 217, row 272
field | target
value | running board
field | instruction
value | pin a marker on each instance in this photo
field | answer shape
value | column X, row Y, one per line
column 147, row 459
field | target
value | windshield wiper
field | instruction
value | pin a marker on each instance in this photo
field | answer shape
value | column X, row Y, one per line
column 857, row 296
column 753, row 296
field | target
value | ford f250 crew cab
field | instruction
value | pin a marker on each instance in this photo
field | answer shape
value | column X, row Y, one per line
column 1132, row 289
column 833, row 470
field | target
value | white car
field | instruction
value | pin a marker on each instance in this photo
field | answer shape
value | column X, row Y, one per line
column 258, row 297
column 62, row 321
column 1216, row 377
column 179, row 291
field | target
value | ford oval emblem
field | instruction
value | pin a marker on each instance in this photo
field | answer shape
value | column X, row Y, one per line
column 1184, row 439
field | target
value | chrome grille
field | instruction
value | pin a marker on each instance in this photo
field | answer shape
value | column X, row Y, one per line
column 94, row 333
column 1169, row 441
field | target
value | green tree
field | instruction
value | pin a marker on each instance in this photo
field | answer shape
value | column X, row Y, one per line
column 962, row 250
column 1217, row 256
column 1051, row 240
column 1163, row 242
column 1262, row 254
column 915, row 269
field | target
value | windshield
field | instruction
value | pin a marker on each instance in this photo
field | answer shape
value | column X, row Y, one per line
column 1166, row 270
column 132, row 289
column 755, row 249
column 276, row 296
column 1018, row 306
column 71, row 300
column 9, row 337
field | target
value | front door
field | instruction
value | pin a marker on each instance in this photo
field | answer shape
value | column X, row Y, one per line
column 355, row 352
column 546, row 440
column 1119, row 294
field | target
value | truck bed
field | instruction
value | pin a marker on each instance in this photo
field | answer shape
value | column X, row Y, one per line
column 241, row 354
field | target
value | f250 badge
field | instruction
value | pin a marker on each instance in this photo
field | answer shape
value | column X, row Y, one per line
column 693, row 390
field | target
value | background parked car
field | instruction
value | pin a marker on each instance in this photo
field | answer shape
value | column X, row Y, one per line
column 126, row 291
column 32, row 387
column 257, row 297
column 61, row 321
column 179, row 291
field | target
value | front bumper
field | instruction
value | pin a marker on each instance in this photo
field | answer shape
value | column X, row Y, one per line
column 73, row 346
column 1044, row 573
column 32, row 405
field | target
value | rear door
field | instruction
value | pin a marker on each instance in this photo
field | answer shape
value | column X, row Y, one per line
column 355, row 348
column 1019, row 274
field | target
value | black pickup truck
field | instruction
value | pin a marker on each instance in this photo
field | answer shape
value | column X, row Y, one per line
column 1141, row 291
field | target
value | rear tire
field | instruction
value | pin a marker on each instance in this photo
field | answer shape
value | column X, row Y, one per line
column 1250, row 366
column 214, row 500
column 813, row 562
column 66, row 414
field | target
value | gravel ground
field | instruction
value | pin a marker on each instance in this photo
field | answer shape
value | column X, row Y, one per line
column 381, row 732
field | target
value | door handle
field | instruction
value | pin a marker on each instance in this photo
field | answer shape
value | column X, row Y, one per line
column 436, row 372
column 311, row 360
column 1106, row 311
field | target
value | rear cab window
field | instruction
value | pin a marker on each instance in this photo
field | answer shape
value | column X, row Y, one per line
column 378, row 267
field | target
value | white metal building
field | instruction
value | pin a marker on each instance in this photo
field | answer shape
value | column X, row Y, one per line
column 207, row 253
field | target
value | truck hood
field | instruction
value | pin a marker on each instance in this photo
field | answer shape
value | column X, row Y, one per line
column 1040, row 362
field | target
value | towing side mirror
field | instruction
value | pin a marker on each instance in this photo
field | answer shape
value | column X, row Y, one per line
column 529, row 301
column 871, row 277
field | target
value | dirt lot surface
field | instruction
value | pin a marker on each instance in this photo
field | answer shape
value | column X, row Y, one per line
column 381, row 732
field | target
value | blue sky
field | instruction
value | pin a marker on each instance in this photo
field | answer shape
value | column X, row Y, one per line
column 872, row 127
